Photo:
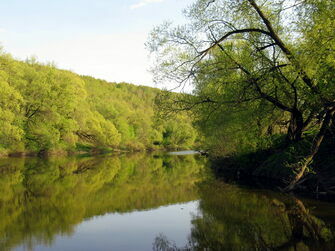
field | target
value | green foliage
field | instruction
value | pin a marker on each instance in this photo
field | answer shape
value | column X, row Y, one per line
column 258, row 69
column 284, row 164
column 178, row 133
column 46, row 109
column 10, row 102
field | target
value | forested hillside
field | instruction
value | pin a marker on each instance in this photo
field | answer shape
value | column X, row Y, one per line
column 44, row 109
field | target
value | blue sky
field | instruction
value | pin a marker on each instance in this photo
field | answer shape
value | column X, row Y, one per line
column 101, row 38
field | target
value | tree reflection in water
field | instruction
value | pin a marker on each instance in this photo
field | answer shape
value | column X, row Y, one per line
column 233, row 218
column 41, row 199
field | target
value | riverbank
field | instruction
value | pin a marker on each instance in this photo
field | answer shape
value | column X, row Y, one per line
column 275, row 167
column 84, row 151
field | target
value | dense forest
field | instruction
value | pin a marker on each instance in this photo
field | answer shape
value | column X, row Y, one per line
column 262, row 74
column 44, row 109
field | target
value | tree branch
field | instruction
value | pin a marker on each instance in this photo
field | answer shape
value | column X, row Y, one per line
column 304, row 76
column 228, row 34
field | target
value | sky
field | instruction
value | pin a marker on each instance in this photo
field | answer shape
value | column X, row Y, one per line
column 101, row 38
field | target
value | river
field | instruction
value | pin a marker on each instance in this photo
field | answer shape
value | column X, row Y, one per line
column 149, row 202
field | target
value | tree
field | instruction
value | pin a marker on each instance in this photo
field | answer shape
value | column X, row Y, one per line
column 255, row 53
column 10, row 104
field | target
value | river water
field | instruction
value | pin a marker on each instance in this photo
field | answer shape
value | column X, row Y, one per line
column 149, row 202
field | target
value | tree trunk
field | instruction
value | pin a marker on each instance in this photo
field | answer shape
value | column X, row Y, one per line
column 296, row 126
column 327, row 121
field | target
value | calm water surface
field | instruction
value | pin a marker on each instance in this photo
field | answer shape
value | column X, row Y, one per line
column 149, row 202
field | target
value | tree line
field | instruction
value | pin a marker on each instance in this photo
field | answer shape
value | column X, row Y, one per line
column 45, row 109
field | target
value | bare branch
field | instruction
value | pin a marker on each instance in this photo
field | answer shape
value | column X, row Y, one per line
column 227, row 35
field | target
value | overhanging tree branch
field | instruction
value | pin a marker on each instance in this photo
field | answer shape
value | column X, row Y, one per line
column 290, row 56
column 228, row 34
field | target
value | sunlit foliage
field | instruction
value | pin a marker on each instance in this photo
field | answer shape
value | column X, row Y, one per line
column 44, row 109
column 258, row 69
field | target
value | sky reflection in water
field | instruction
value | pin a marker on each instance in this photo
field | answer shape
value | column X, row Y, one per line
column 129, row 231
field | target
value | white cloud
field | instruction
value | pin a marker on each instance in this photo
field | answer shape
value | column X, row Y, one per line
column 144, row 3
column 2, row 30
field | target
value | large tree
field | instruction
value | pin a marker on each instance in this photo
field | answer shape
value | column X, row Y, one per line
column 277, row 53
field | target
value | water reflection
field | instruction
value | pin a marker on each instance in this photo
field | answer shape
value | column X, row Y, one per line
column 40, row 199
column 233, row 218
column 145, row 201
